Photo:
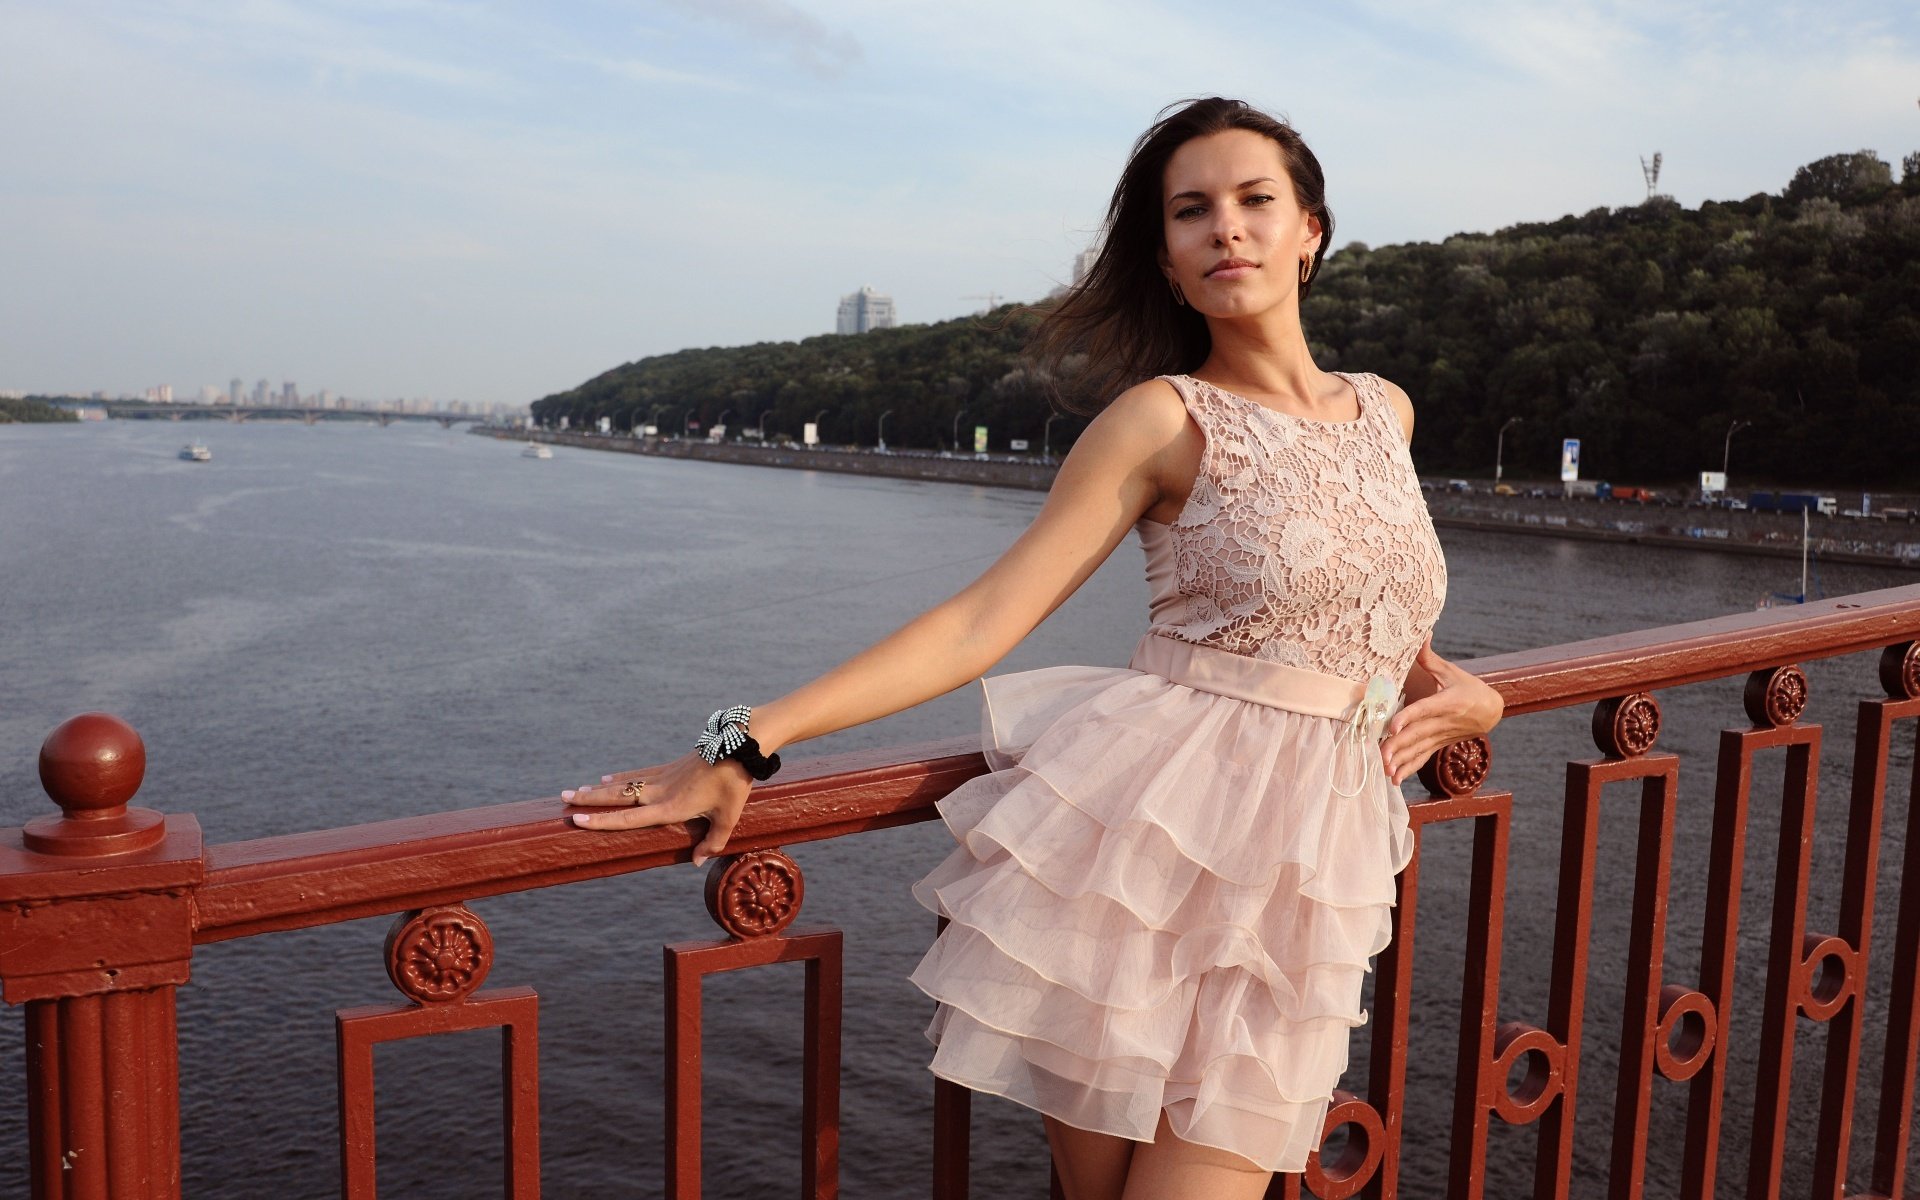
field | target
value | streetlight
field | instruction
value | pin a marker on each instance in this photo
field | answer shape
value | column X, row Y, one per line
column 883, row 429
column 1726, row 451
column 956, row 429
column 1500, row 445
column 1046, row 437
column 722, row 421
column 686, row 423
column 817, row 418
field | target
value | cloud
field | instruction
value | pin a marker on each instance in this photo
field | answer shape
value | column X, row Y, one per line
column 812, row 44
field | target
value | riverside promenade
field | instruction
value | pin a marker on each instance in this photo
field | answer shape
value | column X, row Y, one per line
column 1865, row 541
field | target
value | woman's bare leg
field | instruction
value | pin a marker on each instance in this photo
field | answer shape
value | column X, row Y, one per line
column 1092, row 1166
column 1171, row 1169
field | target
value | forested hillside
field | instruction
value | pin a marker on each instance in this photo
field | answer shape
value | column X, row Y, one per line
column 1644, row 331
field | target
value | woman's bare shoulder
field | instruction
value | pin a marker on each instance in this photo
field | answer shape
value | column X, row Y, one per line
column 1138, row 423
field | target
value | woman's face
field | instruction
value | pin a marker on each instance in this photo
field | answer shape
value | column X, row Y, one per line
column 1234, row 235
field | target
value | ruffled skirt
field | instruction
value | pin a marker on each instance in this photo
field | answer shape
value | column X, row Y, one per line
column 1161, row 901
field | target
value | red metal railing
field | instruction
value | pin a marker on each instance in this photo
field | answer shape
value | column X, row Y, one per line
column 102, row 906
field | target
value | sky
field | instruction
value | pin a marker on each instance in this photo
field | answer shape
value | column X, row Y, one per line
column 493, row 201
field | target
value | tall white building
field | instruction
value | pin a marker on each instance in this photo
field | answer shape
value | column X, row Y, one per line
column 1083, row 263
column 864, row 310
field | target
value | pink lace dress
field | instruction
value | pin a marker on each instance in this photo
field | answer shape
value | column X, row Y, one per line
column 1168, row 890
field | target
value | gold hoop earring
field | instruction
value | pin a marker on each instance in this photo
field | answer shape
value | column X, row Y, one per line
column 1306, row 269
column 1179, row 297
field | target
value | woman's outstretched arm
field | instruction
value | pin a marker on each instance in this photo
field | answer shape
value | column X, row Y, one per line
column 1112, row 476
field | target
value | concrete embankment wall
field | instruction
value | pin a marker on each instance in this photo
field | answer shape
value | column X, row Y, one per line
column 1833, row 539
column 1034, row 476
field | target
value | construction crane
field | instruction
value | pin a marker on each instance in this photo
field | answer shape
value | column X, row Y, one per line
column 992, row 299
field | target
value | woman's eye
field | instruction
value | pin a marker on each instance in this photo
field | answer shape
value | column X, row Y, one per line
column 1260, row 199
column 1191, row 210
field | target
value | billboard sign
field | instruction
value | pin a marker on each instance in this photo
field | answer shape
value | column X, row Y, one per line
column 979, row 439
column 810, row 434
column 1712, row 483
column 1569, row 459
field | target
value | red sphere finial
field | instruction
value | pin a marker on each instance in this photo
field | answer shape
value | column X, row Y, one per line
column 91, row 766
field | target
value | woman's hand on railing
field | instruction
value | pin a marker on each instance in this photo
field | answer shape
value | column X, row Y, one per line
column 684, row 789
column 1459, row 706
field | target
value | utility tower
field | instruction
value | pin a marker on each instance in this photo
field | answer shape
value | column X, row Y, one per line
column 992, row 299
column 1652, row 171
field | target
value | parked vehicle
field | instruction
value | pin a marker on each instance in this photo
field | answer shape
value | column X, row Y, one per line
column 1638, row 494
column 1459, row 485
column 1588, row 489
column 1791, row 502
column 1505, row 489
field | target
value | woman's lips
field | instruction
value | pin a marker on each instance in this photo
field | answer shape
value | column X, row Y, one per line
column 1233, row 268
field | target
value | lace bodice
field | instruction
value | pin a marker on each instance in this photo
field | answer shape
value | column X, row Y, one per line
column 1303, row 542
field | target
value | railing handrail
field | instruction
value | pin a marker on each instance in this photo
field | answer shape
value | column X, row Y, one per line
column 326, row 876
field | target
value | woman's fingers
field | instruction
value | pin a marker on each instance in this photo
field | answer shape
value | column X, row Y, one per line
column 608, row 793
column 629, row 818
column 719, row 829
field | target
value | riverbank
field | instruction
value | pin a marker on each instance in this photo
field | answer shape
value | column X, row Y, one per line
column 999, row 471
column 1860, row 540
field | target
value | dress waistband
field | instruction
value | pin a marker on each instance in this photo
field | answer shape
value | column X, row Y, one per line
column 1277, row 685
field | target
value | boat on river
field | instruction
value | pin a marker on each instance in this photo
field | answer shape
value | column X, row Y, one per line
column 536, row 450
column 196, row 452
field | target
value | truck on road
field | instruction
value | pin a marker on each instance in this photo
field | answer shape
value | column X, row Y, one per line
column 1793, row 502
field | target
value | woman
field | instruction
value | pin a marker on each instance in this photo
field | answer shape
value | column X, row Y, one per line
column 1167, row 891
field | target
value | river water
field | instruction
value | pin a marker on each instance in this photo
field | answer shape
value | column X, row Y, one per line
column 342, row 623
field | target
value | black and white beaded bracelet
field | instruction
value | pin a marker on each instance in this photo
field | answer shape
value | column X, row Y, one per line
column 726, row 737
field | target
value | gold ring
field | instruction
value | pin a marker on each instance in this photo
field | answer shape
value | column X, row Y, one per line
column 632, row 790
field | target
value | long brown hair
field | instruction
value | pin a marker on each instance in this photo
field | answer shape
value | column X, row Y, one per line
column 1120, row 324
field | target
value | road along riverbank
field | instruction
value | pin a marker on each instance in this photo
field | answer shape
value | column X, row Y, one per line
column 1864, row 540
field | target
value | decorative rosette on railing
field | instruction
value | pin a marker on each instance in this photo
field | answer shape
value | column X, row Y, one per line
column 754, row 895
column 1776, row 696
column 1626, row 726
column 438, row 955
column 1458, row 769
column 1900, row 670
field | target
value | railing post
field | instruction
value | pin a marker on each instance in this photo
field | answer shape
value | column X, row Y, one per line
column 96, row 932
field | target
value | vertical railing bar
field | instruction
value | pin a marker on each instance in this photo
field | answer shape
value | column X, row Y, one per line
column 126, row 1095
column 1858, row 884
column 1719, row 944
column 1774, row 1075
column 683, row 1079
column 952, row 1128
column 952, row 1119
column 84, row 1120
column 44, row 1099
column 1566, row 1001
column 1393, row 980
column 820, row 1100
column 354, row 1066
column 1646, row 952
column 163, row 1092
column 1894, row 1129
column 1479, row 1009
column 520, row 1101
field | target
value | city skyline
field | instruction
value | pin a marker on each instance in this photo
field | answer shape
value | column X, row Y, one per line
column 500, row 201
